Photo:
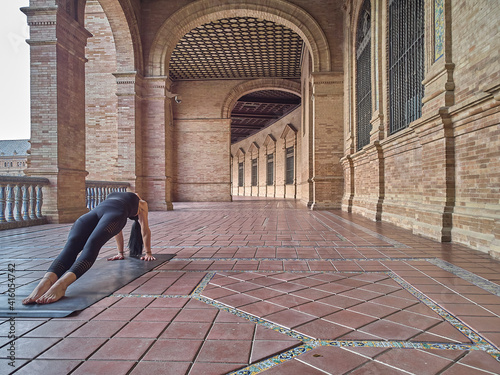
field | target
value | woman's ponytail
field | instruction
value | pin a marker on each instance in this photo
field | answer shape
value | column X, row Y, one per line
column 135, row 243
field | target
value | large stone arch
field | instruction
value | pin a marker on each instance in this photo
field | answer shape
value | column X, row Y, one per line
column 256, row 85
column 204, row 11
column 126, row 35
column 125, row 152
column 125, row 30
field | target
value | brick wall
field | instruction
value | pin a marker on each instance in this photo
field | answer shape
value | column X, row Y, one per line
column 440, row 176
column 476, row 115
column 100, row 96
column 201, row 154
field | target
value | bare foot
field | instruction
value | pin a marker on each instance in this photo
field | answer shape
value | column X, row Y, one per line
column 40, row 289
column 55, row 293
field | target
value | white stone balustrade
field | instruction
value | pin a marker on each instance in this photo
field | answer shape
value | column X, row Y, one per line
column 21, row 200
column 97, row 191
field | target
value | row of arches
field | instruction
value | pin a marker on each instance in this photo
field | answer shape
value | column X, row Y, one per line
column 130, row 128
column 267, row 165
column 101, row 166
column 365, row 142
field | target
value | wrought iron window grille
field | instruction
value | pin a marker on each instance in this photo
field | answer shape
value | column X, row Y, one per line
column 270, row 169
column 289, row 166
column 363, row 76
column 406, row 62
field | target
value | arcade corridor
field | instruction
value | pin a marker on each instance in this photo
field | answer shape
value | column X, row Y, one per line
column 267, row 286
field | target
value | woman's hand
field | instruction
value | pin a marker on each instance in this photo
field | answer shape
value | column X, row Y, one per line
column 117, row 257
column 148, row 257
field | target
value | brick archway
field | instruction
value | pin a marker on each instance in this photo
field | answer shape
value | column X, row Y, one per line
column 122, row 124
column 203, row 11
column 256, row 85
column 126, row 34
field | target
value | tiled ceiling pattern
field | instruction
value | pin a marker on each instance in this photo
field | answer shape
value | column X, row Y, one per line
column 258, row 110
column 243, row 48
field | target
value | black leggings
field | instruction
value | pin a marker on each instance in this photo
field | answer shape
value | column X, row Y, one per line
column 88, row 235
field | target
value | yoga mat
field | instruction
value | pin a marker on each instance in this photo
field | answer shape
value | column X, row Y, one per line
column 104, row 278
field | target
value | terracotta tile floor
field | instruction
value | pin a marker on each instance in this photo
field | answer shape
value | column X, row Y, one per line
column 268, row 286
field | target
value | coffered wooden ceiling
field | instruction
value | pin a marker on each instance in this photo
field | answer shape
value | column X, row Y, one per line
column 235, row 48
column 243, row 48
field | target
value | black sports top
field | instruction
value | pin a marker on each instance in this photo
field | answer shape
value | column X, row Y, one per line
column 129, row 200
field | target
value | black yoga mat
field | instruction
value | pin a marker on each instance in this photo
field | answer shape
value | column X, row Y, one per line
column 103, row 279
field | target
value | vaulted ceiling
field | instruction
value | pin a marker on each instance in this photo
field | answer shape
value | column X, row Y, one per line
column 243, row 48
column 258, row 110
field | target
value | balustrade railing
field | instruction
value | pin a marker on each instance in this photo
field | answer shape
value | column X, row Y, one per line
column 97, row 191
column 21, row 200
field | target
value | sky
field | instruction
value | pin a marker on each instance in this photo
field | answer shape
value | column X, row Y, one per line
column 14, row 71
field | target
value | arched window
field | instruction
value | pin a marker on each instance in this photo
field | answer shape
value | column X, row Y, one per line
column 363, row 76
column 406, row 62
column 254, row 172
column 240, row 173
column 289, row 165
column 270, row 169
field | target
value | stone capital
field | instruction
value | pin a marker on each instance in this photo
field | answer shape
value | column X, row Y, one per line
column 327, row 83
column 128, row 83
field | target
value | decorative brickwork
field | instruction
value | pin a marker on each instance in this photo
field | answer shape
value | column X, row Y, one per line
column 57, row 45
column 110, row 111
column 439, row 177
column 100, row 97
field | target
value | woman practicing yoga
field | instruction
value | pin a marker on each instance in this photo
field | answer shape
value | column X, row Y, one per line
column 88, row 235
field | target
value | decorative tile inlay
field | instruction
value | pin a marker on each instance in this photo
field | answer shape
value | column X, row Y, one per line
column 478, row 281
column 276, row 360
column 478, row 342
column 203, row 283
column 254, row 319
column 438, row 29
column 398, row 345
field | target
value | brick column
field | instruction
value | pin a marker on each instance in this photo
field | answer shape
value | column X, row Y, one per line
column 436, row 133
column 270, row 148
column 283, row 153
column 240, row 158
column 129, row 162
column 289, row 137
column 348, row 167
column 253, row 150
column 57, row 48
column 157, row 143
column 434, row 215
column 328, row 140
